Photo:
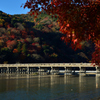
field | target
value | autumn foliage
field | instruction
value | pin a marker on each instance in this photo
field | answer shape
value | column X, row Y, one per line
column 15, row 51
column 79, row 20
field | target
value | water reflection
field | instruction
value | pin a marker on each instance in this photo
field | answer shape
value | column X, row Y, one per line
column 97, row 79
column 50, row 87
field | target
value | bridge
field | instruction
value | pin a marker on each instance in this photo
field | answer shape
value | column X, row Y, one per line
column 42, row 67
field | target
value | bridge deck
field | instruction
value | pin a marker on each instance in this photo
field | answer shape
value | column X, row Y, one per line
column 49, row 65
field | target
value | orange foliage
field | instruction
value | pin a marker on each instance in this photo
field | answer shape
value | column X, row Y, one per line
column 15, row 51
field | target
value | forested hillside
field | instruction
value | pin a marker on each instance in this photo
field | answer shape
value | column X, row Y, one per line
column 24, row 39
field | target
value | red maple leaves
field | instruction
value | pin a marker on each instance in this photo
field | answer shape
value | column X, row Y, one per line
column 78, row 21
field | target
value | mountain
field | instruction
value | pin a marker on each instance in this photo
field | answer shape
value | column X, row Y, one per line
column 24, row 39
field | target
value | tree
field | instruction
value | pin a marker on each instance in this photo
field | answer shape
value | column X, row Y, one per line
column 19, row 47
column 11, row 44
column 24, row 49
column 79, row 20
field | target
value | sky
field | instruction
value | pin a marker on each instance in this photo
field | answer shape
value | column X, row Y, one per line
column 13, row 7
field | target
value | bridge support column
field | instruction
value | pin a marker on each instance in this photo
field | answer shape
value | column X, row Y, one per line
column 7, row 70
column 1, row 70
column 69, row 71
column 10, row 70
column 17, row 70
column 27, row 70
column 33, row 70
column 82, row 71
column 52, row 71
column 65, row 73
column 20, row 70
column 39, row 70
column 30, row 70
column 97, row 71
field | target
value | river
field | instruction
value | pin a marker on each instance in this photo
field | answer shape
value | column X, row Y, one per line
column 49, row 87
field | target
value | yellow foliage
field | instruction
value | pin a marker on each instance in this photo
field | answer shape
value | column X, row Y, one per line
column 1, row 24
column 8, row 32
column 9, row 15
column 5, row 62
column 2, row 20
column 6, row 23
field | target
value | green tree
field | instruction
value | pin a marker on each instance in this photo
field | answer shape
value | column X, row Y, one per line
column 24, row 49
column 19, row 47
column 40, row 26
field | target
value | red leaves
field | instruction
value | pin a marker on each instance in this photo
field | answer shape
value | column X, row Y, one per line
column 62, row 38
column 52, row 16
column 46, row 18
column 24, row 34
column 11, row 44
column 89, row 37
column 35, row 16
column 33, row 13
column 12, row 36
column 83, row 19
column 8, row 26
column 31, row 32
column 51, row 3
column 33, row 44
column 8, row 41
column 96, row 56
column 74, row 41
column 50, row 25
column 55, row 16
column 25, row 41
column 67, row 25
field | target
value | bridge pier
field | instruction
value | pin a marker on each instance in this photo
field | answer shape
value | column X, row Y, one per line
column 52, row 71
column 7, row 71
column 65, row 73
column 17, row 70
column 39, row 70
column 28, row 70
column 33, row 70
column 98, row 71
column 68, row 71
column 82, row 71
column 10, row 70
column 20, row 70
column 1, row 70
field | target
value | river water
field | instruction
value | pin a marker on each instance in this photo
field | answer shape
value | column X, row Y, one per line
column 49, row 87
